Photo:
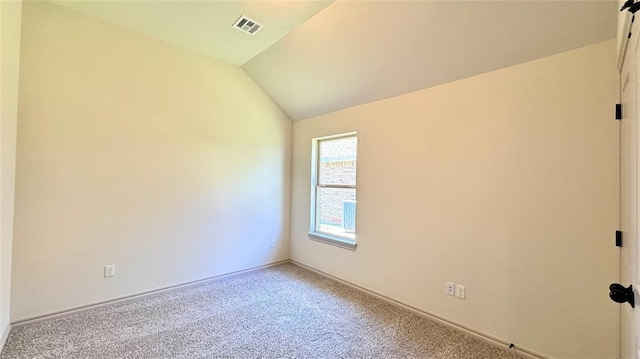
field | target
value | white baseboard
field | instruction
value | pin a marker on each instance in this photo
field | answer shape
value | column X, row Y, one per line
column 4, row 336
column 501, row 343
column 65, row 312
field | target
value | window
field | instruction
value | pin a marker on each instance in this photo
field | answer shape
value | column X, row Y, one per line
column 333, row 190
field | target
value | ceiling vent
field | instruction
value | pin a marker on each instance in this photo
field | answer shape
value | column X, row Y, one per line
column 247, row 25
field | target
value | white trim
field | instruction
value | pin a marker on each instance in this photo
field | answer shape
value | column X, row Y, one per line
column 500, row 343
column 65, row 312
column 314, row 182
column 490, row 339
column 315, row 163
column 4, row 337
column 624, row 36
column 339, row 135
column 336, row 241
column 347, row 186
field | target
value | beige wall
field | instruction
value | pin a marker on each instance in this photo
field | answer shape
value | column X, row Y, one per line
column 168, row 164
column 10, row 21
column 504, row 182
column 175, row 167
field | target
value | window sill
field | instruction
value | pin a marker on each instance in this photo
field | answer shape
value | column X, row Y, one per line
column 335, row 241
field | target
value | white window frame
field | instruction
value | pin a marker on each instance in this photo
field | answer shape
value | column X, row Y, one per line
column 335, row 240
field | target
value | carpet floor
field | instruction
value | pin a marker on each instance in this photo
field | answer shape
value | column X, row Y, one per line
column 283, row 311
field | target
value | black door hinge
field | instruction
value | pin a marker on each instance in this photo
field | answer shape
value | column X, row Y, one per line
column 618, row 238
column 631, row 5
column 618, row 111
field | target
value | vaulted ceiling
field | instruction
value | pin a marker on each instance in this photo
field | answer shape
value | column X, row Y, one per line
column 203, row 26
column 314, row 57
column 357, row 52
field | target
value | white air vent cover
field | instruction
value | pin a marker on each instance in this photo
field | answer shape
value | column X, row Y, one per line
column 247, row 25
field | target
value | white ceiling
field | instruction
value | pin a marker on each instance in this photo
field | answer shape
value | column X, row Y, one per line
column 204, row 26
column 357, row 52
column 354, row 52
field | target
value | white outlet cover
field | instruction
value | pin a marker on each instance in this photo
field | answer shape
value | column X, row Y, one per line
column 461, row 291
column 449, row 288
column 109, row 270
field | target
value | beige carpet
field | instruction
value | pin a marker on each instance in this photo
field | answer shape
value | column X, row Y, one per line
column 278, row 312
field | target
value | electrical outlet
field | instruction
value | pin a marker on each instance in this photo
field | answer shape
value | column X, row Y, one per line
column 461, row 291
column 449, row 288
column 109, row 270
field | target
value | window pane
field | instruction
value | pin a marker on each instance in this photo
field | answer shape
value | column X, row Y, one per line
column 337, row 161
column 336, row 212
